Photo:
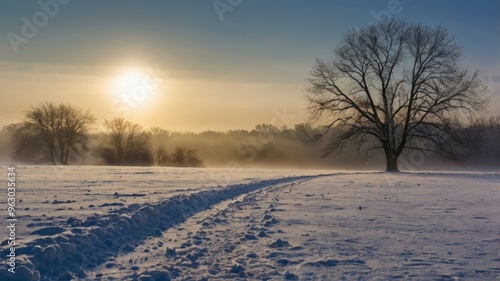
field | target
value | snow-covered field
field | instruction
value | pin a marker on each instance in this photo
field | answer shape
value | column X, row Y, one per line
column 130, row 223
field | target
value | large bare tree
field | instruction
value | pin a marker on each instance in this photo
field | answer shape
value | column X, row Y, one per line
column 52, row 133
column 396, row 86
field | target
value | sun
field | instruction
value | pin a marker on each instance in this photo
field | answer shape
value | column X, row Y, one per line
column 135, row 86
column 129, row 79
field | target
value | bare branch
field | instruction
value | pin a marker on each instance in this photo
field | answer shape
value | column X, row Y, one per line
column 394, row 81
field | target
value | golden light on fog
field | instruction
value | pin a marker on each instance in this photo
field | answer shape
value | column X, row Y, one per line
column 128, row 79
column 135, row 87
column 125, row 82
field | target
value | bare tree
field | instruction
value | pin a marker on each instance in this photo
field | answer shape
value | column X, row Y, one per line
column 161, row 156
column 397, row 85
column 53, row 133
column 129, row 143
column 184, row 157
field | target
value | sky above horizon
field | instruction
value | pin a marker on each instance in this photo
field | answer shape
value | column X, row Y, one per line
column 193, row 67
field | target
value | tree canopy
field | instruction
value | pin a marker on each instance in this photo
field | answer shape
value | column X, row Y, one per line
column 53, row 133
column 400, row 84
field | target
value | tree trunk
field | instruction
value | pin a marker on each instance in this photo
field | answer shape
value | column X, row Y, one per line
column 52, row 156
column 392, row 164
column 391, row 160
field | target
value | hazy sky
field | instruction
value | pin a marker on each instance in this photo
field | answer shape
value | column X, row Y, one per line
column 194, row 67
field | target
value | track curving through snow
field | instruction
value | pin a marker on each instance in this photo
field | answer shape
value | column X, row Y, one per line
column 74, row 251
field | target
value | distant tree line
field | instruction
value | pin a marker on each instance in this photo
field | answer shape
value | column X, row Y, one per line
column 61, row 134
column 64, row 134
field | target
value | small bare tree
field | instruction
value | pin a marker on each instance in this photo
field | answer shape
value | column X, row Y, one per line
column 161, row 156
column 53, row 133
column 129, row 143
column 397, row 85
column 185, row 157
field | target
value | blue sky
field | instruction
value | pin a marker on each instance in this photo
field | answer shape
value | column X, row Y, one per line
column 267, row 47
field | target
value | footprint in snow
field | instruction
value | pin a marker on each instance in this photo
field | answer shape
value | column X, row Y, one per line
column 279, row 244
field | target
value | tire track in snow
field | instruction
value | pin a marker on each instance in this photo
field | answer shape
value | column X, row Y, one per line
column 185, row 244
column 70, row 254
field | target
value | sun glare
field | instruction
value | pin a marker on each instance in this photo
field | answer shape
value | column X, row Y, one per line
column 135, row 87
column 127, row 80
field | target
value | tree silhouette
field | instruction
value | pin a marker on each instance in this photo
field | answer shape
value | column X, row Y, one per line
column 181, row 157
column 399, row 84
column 52, row 133
column 128, row 144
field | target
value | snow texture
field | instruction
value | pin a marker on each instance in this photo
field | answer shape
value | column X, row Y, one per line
column 115, row 223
